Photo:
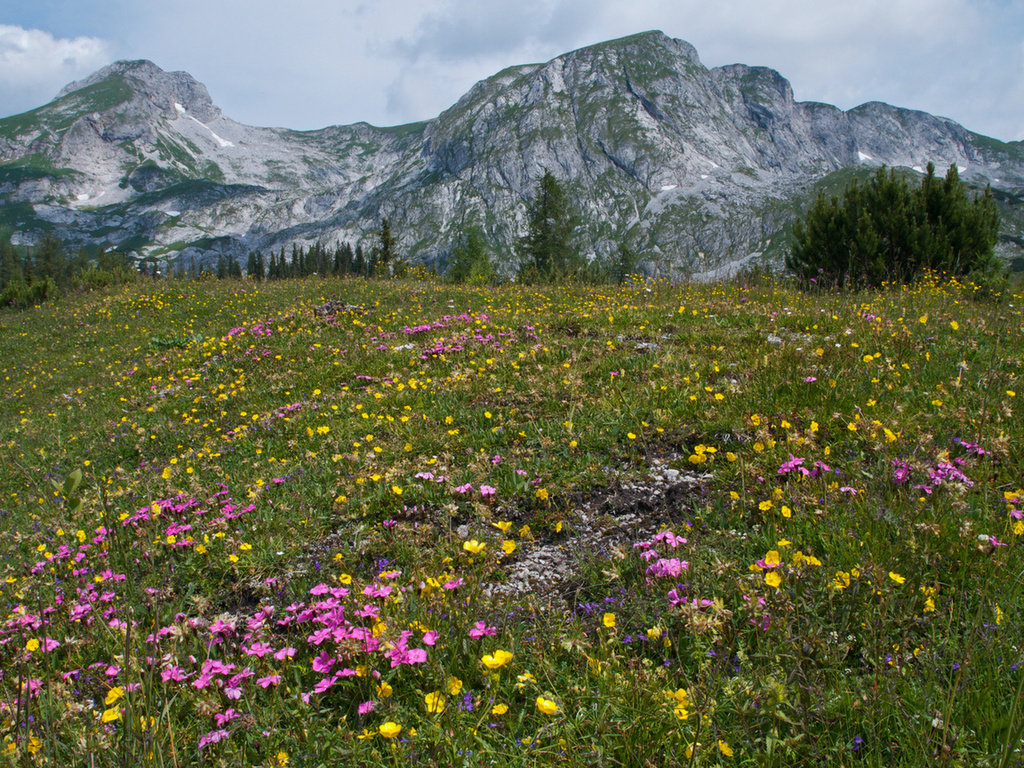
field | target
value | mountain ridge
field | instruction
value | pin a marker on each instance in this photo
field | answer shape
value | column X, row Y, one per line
column 696, row 169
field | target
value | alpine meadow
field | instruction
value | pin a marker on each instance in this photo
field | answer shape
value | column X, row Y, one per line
column 466, row 466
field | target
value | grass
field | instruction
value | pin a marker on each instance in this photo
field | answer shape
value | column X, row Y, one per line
column 366, row 523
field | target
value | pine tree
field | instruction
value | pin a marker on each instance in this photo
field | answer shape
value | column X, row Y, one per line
column 547, row 250
column 384, row 252
column 470, row 260
column 886, row 231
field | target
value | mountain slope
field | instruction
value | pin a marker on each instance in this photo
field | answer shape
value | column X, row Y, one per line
column 694, row 168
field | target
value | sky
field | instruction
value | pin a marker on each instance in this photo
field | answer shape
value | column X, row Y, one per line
column 307, row 64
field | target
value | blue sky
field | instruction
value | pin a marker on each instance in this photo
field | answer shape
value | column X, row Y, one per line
column 311, row 63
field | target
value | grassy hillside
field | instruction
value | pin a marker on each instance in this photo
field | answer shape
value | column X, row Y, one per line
column 362, row 523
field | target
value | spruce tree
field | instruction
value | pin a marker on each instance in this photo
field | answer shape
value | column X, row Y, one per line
column 547, row 251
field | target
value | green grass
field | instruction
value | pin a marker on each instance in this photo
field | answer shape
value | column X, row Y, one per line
column 192, row 467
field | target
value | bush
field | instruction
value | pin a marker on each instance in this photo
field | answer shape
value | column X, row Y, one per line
column 886, row 231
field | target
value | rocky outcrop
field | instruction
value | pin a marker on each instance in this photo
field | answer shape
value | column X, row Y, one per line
column 694, row 168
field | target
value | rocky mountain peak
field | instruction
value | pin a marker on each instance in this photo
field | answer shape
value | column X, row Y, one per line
column 696, row 170
column 154, row 85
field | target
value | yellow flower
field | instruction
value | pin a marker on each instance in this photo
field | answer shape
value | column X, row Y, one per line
column 113, row 695
column 508, row 546
column 654, row 633
column 608, row 620
column 384, row 689
column 474, row 546
column 772, row 579
column 454, row 686
column 542, row 494
column 724, row 748
column 546, row 706
column 389, row 729
column 32, row 645
column 112, row 714
column 499, row 709
column 773, row 558
column 896, row 577
column 496, row 660
column 764, row 506
column 503, row 525
column 435, row 702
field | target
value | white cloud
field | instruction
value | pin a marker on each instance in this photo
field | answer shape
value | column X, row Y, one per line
column 34, row 65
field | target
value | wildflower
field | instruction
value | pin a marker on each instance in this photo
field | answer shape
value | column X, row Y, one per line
column 32, row 645
column 480, row 629
column 473, row 546
column 608, row 620
column 384, row 689
column 772, row 579
column 508, row 546
column 111, row 714
column 213, row 737
column 499, row 709
column 454, row 686
column 487, row 491
column 113, row 695
column 523, row 679
column 542, row 494
column 896, row 577
column 496, row 660
column 724, row 748
column 389, row 729
column 435, row 702
column 546, row 706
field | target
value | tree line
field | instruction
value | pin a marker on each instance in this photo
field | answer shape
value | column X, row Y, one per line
column 31, row 275
column 880, row 232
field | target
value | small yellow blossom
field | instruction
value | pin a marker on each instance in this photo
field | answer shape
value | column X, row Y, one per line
column 389, row 729
column 546, row 706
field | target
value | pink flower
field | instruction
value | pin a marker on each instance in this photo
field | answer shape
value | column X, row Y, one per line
column 454, row 583
column 670, row 538
column 260, row 650
column 319, row 589
column 464, row 488
column 487, row 491
column 269, row 680
column 366, row 707
column 430, row 638
column 668, row 567
column 226, row 716
column 323, row 663
column 174, row 673
column 222, row 627
column 213, row 737
column 284, row 653
column 480, row 629
column 324, row 684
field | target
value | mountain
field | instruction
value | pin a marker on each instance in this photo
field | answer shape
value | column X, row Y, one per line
column 697, row 169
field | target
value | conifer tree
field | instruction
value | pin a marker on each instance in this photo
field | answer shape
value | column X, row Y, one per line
column 547, row 250
column 887, row 231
